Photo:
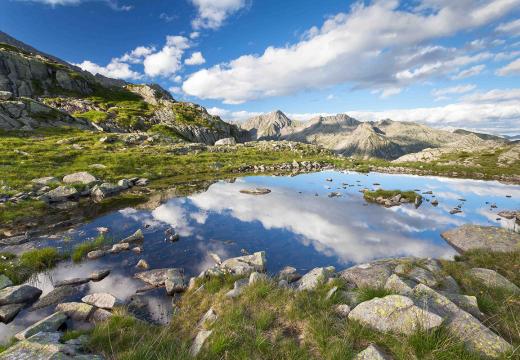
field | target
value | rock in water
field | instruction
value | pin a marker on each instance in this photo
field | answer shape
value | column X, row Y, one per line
column 257, row 191
column 60, row 194
column 470, row 237
column 245, row 264
column 466, row 327
column 394, row 313
column 175, row 282
column 100, row 300
column 56, row 296
column 19, row 294
column 49, row 324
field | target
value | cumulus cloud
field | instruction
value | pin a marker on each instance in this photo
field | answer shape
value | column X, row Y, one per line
column 115, row 69
column 512, row 68
column 167, row 61
column 195, row 59
column 211, row 14
column 382, row 45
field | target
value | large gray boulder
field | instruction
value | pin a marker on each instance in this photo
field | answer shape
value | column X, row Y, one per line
column 243, row 265
column 493, row 279
column 315, row 277
column 175, row 281
column 394, row 313
column 19, row 294
column 469, row 237
column 82, row 177
column 49, row 324
column 226, row 141
column 373, row 275
column 100, row 300
column 56, row 296
column 104, row 190
column 8, row 312
column 60, row 194
column 475, row 336
column 76, row 310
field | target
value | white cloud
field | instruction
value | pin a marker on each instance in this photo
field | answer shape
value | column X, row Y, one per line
column 113, row 4
column 167, row 61
column 511, row 28
column 213, row 13
column 167, row 18
column 115, row 69
column 175, row 90
column 472, row 71
column 137, row 55
column 233, row 116
column 374, row 42
column 460, row 89
column 194, row 35
column 195, row 59
column 512, row 68
column 501, row 56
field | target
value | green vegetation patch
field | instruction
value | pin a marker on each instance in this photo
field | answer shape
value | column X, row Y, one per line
column 20, row 268
column 80, row 251
column 388, row 194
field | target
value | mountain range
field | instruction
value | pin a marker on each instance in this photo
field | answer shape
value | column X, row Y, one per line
column 386, row 139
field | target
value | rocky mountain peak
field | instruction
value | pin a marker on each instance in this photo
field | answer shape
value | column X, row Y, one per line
column 268, row 126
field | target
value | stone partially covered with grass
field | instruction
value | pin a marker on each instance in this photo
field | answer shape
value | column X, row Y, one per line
column 20, row 268
column 391, row 198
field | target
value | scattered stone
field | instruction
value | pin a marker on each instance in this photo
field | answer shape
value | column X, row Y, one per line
column 460, row 323
column 226, row 141
column 245, row 264
column 55, row 296
column 125, row 183
column 435, row 202
column 238, row 287
column 60, row 194
column 137, row 249
column 82, row 177
column 100, row 315
column 422, row 276
column 49, row 324
column 314, row 277
column 96, row 254
column 331, row 293
column 492, row 279
column 342, row 310
column 136, row 237
column 99, row 274
column 8, row 312
column 373, row 275
column 142, row 182
column 117, row 248
column 256, row 276
column 100, row 300
column 283, row 283
column 5, row 281
column 455, row 211
column 44, row 181
column 199, row 341
column 142, row 264
column 510, row 214
column 73, row 281
column 257, row 191
column 399, row 285
column 104, row 190
column 175, row 282
column 155, row 277
column 372, row 352
column 209, row 318
column 76, row 310
column 19, row 294
column 394, row 313
column 469, row 237
column 289, row 274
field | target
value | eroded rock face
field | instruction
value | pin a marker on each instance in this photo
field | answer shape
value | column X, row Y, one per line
column 470, row 237
column 395, row 313
column 460, row 323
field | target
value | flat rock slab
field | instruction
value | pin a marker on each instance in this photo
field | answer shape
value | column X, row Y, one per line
column 493, row 279
column 475, row 336
column 49, row 324
column 315, row 277
column 55, row 296
column 470, row 237
column 394, row 313
column 19, row 294
column 155, row 277
column 8, row 312
column 100, row 300
column 374, row 274
column 76, row 310
column 72, row 282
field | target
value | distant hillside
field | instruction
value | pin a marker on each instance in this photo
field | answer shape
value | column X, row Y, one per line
column 59, row 94
column 386, row 139
column 482, row 135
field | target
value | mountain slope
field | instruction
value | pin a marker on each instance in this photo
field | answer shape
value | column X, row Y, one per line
column 268, row 126
column 89, row 101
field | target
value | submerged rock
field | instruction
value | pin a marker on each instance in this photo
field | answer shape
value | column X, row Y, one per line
column 49, row 324
column 470, row 237
column 394, row 313
column 99, row 275
column 56, row 296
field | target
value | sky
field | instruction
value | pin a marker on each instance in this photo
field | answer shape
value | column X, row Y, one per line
column 444, row 63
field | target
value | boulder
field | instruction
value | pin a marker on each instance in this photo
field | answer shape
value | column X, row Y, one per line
column 100, row 315
column 394, row 313
column 492, row 279
column 117, row 248
column 207, row 319
column 466, row 302
column 142, row 264
column 6, row 95
column 374, row 274
column 155, row 277
column 256, row 276
column 466, row 327
column 469, row 237
column 372, row 352
column 422, row 276
column 99, row 275
column 96, row 254
column 175, row 282
column 342, row 310
column 100, row 300
column 73, row 281
column 82, row 177
column 399, row 285
column 76, row 310
column 60, row 194
column 49, row 324
column 245, row 264
column 44, row 181
column 238, row 287
column 314, row 277
column 199, row 341
column 289, row 274
column 104, row 190
column 8, row 312
column 124, row 183
column 136, row 237
column 5, row 281
column 56, row 296
column 226, row 141
column 19, row 294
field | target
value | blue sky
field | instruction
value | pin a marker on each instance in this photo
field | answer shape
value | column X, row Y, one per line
column 441, row 62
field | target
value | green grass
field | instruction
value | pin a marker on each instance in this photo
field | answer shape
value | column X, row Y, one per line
column 80, row 251
column 20, row 268
column 365, row 294
column 93, row 115
column 387, row 194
